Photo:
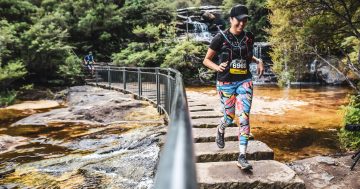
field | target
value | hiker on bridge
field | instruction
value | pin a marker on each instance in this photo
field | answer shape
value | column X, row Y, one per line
column 234, row 84
column 89, row 61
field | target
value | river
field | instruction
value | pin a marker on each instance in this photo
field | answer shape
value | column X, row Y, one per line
column 298, row 122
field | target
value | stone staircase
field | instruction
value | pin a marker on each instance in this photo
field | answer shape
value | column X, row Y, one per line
column 216, row 168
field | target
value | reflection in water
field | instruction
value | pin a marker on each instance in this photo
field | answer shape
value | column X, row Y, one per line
column 299, row 132
column 50, row 141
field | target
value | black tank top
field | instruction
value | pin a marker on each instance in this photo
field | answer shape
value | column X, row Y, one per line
column 238, row 51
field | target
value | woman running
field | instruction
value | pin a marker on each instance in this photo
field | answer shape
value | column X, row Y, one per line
column 234, row 84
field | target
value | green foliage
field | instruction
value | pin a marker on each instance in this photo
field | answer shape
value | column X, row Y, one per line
column 8, row 40
column 352, row 116
column 7, row 97
column 186, row 57
column 46, row 41
column 27, row 87
column 301, row 27
column 153, row 44
column 71, row 71
column 185, row 54
column 40, row 33
column 136, row 54
column 16, row 10
column 10, row 72
column 186, row 3
column 352, row 45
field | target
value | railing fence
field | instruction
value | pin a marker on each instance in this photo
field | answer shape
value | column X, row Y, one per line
column 164, row 88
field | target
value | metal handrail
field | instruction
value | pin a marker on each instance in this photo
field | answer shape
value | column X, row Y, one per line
column 176, row 168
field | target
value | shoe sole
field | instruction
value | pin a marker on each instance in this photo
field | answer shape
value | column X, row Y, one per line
column 220, row 146
column 243, row 168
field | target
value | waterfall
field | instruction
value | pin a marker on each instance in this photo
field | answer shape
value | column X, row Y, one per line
column 198, row 31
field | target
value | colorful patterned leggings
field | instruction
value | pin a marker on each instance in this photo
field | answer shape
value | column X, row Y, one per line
column 236, row 95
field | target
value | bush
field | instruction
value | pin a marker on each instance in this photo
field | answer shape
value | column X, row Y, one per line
column 11, row 72
column 187, row 57
column 71, row 71
column 348, row 139
column 7, row 98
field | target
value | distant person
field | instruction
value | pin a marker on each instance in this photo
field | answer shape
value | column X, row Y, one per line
column 89, row 61
column 234, row 83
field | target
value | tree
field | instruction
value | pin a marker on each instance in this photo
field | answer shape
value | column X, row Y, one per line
column 46, row 43
column 306, row 29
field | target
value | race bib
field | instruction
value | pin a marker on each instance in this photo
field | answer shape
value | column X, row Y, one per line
column 238, row 66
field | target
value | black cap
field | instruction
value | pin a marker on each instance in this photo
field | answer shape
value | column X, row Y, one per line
column 239, row 12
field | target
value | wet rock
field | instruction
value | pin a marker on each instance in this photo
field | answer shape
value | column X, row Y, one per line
column 96, row 105
column 105, row 138
column 7, row 168
column 327, row 172
column 8, row 143
column 327, row 160
column 126, row 161
column 329, row 75
column 35, row 105
column 9, row 186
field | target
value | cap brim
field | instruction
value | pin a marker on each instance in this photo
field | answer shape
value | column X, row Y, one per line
column 241, row 17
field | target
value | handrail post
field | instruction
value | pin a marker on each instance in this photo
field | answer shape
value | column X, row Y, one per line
column 109, row 76
column 139, row 83
column 157, row 89
column 169, row 95
column 124, row 78
column 96, row 77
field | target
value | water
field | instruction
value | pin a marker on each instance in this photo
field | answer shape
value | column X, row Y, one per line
column 296, row 123
column 71, row 153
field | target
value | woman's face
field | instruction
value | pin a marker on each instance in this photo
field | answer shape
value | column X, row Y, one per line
column 238, row 25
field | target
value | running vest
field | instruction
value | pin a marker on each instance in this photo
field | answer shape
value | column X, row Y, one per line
column 238, row 51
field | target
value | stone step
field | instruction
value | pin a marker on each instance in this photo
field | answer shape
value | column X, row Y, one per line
column 205, row 114
column 209, row 134
column 209, row 152
column 265, row 174
column 207, row 122
column 200, row 108
column 192, row 104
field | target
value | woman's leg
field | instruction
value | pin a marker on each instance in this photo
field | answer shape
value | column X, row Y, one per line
column 243, row 106
column 228, row 100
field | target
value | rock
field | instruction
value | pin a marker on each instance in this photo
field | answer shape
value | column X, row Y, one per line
column 329, row 75
column 321, row 172
column 103, row 138
column 326, row 160
column 8, row 143
column 209, row 152
column 265, row 174
column 96, row 105
column 7, row 168
column 126, row 161
column 209, row 134
column 206, row 114
column 35, row 105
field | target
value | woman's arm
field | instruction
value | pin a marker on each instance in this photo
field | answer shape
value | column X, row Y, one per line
column 260, row 66
column 210, row 64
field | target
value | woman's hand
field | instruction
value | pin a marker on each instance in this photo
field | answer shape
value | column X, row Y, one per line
column 221, row 67
column 260, row 67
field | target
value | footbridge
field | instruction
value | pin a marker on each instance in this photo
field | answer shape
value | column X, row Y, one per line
column 190, row 158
